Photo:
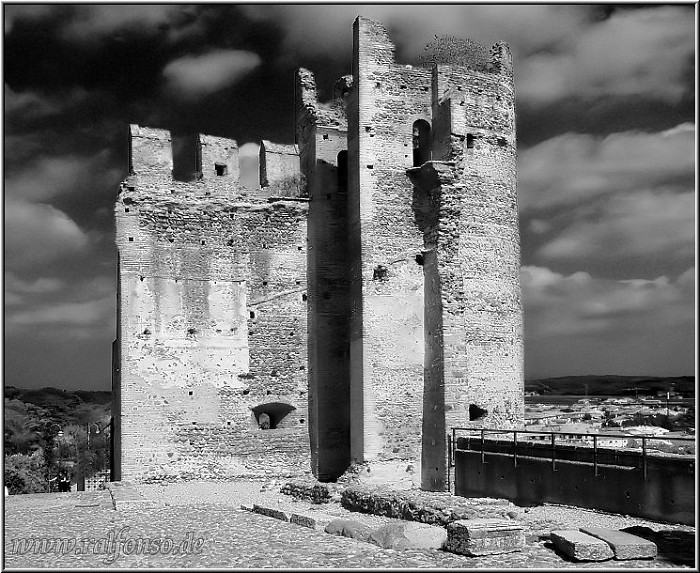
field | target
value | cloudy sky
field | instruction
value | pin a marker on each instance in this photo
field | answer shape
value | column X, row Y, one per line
column 606, row 135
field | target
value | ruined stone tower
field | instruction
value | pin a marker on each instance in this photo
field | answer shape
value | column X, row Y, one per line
column 363, row 301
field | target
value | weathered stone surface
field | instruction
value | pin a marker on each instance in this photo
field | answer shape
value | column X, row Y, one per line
column 484, row 537
column 227, row 365
column 348, row 528
column 409, row 535
column 581, row 546
column 424, row 507
column 313, row 491
column 303, row 520
column 624, row 545
column 270, row 512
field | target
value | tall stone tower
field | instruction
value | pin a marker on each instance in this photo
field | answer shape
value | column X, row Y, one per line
column 436, row 325
column 356, row 306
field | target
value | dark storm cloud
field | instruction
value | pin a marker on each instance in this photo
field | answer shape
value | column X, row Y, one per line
column 605, row 119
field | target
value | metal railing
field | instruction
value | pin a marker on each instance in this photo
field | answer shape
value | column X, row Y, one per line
column 589, row 437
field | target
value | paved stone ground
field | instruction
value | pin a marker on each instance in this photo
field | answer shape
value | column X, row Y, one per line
column 233, row 538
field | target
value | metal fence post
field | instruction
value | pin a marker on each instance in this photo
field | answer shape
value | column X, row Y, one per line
column 554, row 465
column 595, row 455
column 482, row 445
column 515, row 449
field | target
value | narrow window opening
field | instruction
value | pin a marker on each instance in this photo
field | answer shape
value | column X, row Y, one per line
column 343, row 171
column 502, row 141
column 190, row 392
column 221, row 169
column 131, row 239
column 421, row 142
column 252, row 314
column 470, row 141
column 304, row 297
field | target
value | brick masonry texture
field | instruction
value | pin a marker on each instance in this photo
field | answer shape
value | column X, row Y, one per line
column 359, row 301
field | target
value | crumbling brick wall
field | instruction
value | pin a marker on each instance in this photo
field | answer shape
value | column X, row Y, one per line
column 397, row 208
column 212, row 323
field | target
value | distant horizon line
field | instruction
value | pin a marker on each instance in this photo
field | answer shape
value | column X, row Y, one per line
column 531, row 379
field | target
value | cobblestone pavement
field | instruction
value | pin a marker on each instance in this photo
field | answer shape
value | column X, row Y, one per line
column 232, row 538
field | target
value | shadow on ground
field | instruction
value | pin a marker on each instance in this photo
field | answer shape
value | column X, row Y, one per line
column 677, row 546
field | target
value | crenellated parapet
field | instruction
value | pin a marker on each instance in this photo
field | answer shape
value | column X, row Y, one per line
column 219, row 159
column 150, row 153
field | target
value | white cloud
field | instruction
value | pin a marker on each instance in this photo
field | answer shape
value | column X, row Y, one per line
column 93, row 22
column 195, row 76
column 525, row 28
column 48, row 177
column 634, row 52
column 579, row 324
column 39, row 233
column 40, row 285
column 571, row 168
column 88, row 313
column 14, row 12
column 641, row 225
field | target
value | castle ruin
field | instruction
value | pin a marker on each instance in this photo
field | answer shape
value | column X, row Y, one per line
column 356, row 306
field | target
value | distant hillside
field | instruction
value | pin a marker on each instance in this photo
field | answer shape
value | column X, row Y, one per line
column 27, row 412
column 611, row 385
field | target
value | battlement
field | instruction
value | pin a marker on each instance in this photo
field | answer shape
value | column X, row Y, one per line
column 214, row 167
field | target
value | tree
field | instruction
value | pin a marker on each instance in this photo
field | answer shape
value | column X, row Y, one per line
column 25, row 473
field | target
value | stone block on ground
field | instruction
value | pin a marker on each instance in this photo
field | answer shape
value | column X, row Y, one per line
column 303, row 520
column 270, row 512
column 435, row 508
column 475, row 537
column 348, row 528
column 581, row 546
column 314, row 492
column 624, row 545
column 409, row 535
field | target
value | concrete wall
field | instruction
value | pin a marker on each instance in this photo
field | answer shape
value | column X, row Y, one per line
column 212, row 325
column 667, row 493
